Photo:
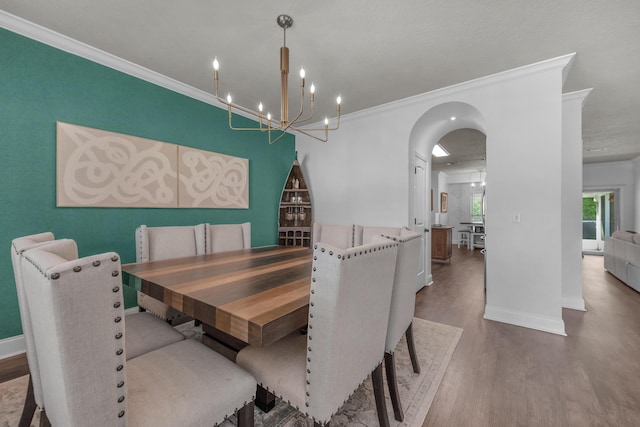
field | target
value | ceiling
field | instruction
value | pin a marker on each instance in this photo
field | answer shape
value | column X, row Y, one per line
column 373, row 51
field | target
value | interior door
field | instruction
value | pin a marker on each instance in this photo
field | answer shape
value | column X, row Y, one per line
column 419, row 214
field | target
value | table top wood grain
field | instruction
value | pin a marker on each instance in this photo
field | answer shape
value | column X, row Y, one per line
column 256, row 295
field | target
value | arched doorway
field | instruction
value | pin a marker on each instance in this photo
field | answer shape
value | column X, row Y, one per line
column 425, row 134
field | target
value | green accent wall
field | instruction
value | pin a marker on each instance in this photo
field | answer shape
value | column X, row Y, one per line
column 40, row 85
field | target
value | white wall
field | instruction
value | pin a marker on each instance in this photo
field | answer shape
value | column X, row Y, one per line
column 439, row 185
column 612, row 176
column 362, row 176
column 636, row 183
column 571, row 200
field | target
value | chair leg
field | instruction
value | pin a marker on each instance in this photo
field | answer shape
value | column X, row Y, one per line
column 378, row 392
column 392, row 384
column 245, row 415
column 412, row 349
column 29, row 406
column 44, row 420
column 265, row 400
column 317, row 424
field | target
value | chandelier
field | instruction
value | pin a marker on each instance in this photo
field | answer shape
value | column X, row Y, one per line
column 267, row 123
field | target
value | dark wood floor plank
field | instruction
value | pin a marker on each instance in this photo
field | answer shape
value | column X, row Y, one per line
column 507, row 375
column 13, row 367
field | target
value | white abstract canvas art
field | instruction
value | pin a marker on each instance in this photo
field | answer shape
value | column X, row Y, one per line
column 212, row 180
column 97, row 168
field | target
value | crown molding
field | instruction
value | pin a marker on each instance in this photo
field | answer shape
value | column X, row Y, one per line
column 561, row 62
column 580, row 95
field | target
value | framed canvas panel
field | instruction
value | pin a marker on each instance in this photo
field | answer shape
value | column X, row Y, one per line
column 97, row 168
column 212, row 180
column 444, row 202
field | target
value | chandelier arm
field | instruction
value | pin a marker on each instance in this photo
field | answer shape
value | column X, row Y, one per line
column 311, row 106
column 261, row 128
column 277, row 139
column 259, row 116
column 304, row 132
column 320, row 129
column 295, row 120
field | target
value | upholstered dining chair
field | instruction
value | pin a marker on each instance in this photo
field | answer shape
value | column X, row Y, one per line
column 227, row 237
column 145, row 332
column 403, row 300
column 341, row 236
column 349, row 302
column 159, row 243
column 79, row 331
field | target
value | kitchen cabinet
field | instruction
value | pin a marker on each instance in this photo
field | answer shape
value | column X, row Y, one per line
column 441, row 244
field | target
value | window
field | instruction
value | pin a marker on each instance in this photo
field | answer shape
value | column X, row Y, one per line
column 476, row 207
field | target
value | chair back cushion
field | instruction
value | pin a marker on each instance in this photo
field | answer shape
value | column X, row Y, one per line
column 348, row 315
column 228, row 237
column 158, row 243
column 18, row 246
column 364, row 233
column 77, row 313
column 340, row 236
column 403, row 299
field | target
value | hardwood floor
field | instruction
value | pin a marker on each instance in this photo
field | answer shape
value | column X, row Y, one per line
column 504, row 375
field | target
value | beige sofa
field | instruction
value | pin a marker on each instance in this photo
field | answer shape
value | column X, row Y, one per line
column 622, row 257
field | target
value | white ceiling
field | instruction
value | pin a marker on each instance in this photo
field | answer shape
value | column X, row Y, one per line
column 373, row 51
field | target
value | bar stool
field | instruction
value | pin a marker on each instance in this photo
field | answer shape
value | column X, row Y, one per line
column 463, row 237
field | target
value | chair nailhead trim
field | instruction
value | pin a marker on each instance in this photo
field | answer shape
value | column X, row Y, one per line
column 77, row 268
column 115, row 289
column 120, row 368
column 120, row 384
column 121, row 399
column 117, row 319
column 120, row 414
column 116, row 273
column 116, row 305
column 119, row 335
column 96, row 263
column 114, row 258
column 55, row 276
column 119, row 352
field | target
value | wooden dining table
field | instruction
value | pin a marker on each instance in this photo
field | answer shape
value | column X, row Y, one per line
column 252, row 296
column 246, row 297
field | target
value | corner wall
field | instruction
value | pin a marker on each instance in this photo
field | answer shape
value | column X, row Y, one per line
column 572, row 200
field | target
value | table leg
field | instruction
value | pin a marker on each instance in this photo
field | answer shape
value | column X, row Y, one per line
column 265, row 400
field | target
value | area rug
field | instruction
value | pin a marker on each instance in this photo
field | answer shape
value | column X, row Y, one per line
column 435, row 344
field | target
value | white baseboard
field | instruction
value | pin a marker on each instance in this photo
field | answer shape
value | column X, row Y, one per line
column 574, row 304
column 13, row 346
column 526, row 320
